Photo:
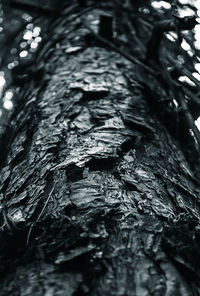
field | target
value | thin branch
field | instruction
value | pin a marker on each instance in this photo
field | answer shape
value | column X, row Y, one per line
column 174, row 88
column 190, row 120
column 39, row 216
column 188, row 74
column 184, row 72
column 124, row 54
column 192, row 96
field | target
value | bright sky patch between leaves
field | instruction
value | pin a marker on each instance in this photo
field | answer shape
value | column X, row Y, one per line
column 31, row 39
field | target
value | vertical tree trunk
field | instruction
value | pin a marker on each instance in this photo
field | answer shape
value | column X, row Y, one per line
column 97, row 198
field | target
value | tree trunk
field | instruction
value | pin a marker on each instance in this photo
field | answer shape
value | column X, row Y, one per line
column 97, row 197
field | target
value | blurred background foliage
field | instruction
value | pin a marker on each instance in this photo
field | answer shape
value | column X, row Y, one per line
column 24, row 24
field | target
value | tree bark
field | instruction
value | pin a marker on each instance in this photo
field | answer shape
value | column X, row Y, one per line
column 96, row 196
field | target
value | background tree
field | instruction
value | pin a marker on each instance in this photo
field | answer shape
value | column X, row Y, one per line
column 100, row 156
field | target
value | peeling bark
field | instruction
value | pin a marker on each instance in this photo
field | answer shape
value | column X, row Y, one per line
column 96, row 196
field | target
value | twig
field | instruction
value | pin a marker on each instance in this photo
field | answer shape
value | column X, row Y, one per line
column 174, row 88
column 188, row 74
column 190, row 120
column 184, row 72
column 192, row 96
column 124, row 54
column 39, row 216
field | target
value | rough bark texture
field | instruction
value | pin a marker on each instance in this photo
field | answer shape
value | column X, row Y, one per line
column 97, row 198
